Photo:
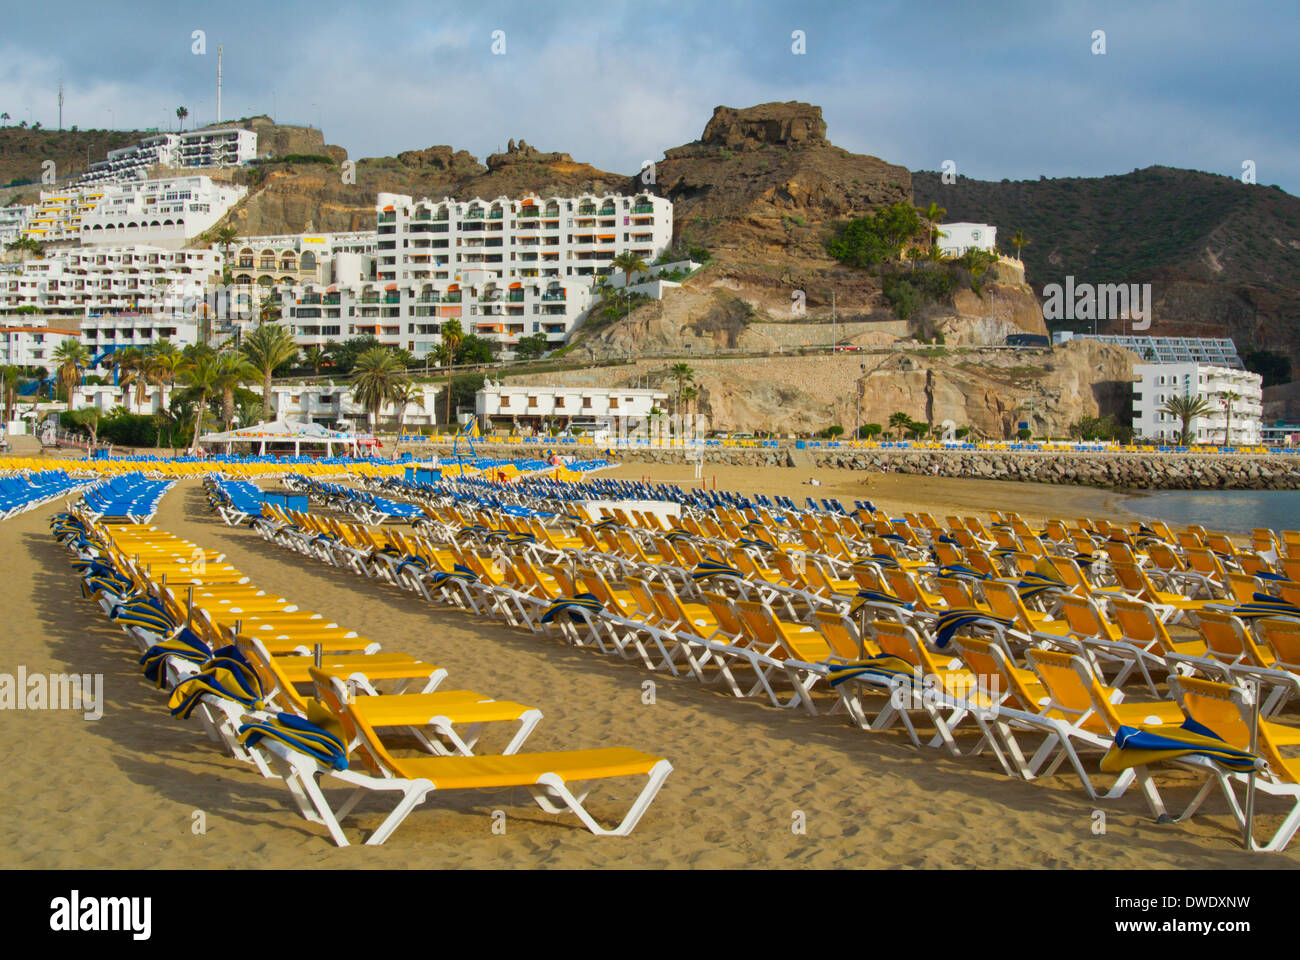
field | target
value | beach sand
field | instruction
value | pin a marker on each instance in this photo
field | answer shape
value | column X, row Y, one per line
column 131, row 789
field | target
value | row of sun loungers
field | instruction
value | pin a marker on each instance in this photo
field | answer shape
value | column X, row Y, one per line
column 131, row 497
column 29, row 489
column 1044, row 649
column 299, row 697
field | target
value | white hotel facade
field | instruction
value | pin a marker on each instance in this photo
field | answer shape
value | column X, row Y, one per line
column 221, row 147
column 1160, row 382
column 165, row 212
column 504, row 268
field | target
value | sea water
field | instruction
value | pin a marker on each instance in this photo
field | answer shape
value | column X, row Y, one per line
column 1230, row 511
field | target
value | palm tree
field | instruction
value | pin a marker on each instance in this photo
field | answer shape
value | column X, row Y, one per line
column 201, row 375
column 233, row 370
column 72, row 357
column 900, row 421
column 375, row 380
column 1185, row 410
column 932, row 215
column 1229, row 398
column 181, row 114
column 629, row 263
column 133, row 369
column 1018, row 241
column 452, row 337
column 225, row 236
column 268, row 347
column 10, row 378
column 316, row 357
column 165, row 359
column 405, row 393
column 4, row 118
column 690, row 395
column 681, row 372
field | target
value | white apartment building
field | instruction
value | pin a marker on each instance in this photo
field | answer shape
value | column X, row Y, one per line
column 89, row 280
column 222, row 147
column 33, row 345
column 1212, row 351
column 165, row 212
column 334, row 406
column 60, row 213
column 502, row 405
column 1159, row 382
column 530, row 238
column 13, row 221
column 411, row 315
column 956, row 238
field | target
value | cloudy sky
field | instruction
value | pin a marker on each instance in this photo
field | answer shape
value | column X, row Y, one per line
column 1002, row 89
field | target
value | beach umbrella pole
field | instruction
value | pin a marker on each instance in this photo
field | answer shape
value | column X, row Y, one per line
column 189, row 607
column 1248, row 839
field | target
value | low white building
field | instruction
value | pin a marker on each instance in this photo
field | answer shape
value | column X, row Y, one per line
column 165, row 212
column 33, row 345
column 1160, row 382
column 333, row 406
column 956, row 238
column 502, row 405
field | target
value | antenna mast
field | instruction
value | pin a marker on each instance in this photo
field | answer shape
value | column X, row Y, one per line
column 218, row 83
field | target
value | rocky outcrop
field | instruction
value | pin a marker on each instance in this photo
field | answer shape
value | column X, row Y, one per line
column 522, row 153
column 781, row 123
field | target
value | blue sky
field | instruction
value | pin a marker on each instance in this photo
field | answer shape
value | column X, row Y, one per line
column 1003, row 89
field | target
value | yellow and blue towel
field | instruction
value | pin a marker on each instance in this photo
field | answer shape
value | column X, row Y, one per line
column 1138, row 746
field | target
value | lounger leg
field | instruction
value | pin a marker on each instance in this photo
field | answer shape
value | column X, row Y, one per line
column 557, row 787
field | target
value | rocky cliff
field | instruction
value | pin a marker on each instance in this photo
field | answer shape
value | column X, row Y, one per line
column 989, row 391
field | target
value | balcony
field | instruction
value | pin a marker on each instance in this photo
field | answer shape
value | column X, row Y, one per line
column 643, row 208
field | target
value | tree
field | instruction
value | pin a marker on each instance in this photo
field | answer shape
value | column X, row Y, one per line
column 1185, row 410
column 181, row 114
column 268, row 347
column 316, row 357
column 225, row 236
column 133, row 372
column 1018, row 241
column 375, row 380
column 1229, row 398
column 865, row 241
column 72, row 357
column 690, row 395
column 531, row 347
column 4, row 119
column 900, row 422
column 681, row 372
column 88, row 419
column 201, row 376
column 165, row 360
column 932, row 215
column 10, row 379
column 629, row 263
column 869, row 430
column 474, row 349
column 452, row 335
column 405, row 393
column 233, row 369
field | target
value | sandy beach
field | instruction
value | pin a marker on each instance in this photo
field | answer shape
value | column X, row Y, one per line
column 130, row 789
